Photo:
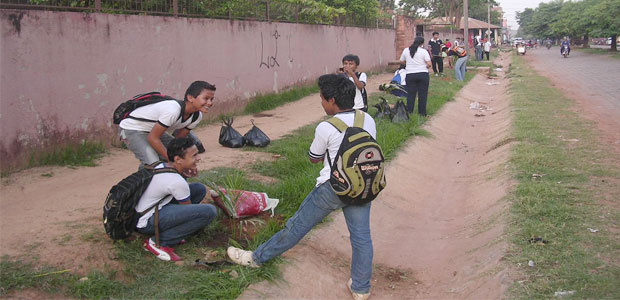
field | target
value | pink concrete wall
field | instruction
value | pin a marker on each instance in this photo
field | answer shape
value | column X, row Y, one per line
column 63, row 73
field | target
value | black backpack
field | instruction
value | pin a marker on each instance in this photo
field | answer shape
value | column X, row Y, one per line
column 124, row 110
column 357, row 172
column 119, row 214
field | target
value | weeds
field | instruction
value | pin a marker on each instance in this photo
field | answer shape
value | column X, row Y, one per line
column 271, row 101
column 564, row 200
column 82, row 154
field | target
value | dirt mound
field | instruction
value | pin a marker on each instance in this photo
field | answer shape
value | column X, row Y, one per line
column 437, row 228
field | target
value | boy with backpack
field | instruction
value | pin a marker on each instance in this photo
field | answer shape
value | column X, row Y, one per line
column 148, row 129
column 332, row 192
column 170, row 208
column 350, row 63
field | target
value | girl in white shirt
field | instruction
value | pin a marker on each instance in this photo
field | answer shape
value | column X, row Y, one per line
column 417, row 62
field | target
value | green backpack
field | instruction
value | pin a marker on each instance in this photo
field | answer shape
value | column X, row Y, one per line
column 357, row 173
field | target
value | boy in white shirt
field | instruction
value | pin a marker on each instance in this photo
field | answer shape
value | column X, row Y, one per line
column 337, row 94
column 350, row 62
column 487, row 48
column 148, row 129
column 180, row 211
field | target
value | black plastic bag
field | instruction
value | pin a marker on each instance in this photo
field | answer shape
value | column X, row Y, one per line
column 383, row 109
column 400, row 113
column 256, row 137
column 229, row 137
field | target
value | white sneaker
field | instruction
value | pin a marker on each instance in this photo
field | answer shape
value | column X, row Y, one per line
column 355, row 295
column 241, row 257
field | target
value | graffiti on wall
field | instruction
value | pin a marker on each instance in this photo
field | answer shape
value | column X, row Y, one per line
column 269, row 61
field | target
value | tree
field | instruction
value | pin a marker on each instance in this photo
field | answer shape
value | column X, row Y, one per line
column 604, row 15
column 414, row 8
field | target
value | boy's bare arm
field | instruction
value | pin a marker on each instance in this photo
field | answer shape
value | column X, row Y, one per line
column 154, row 139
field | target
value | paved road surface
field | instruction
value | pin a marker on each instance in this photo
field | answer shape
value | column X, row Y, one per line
column 590, row 75
column 592, row 80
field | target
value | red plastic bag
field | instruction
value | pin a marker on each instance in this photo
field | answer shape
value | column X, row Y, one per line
column 249, row 203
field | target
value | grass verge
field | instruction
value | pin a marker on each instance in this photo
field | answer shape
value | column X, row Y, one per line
column 565, row 218
column 82, row 154
column 147, row 277
column 599, row 51
column 271, row 101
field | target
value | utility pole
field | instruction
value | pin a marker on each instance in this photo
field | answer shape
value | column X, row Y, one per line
column 466, row 25
column 489, row 20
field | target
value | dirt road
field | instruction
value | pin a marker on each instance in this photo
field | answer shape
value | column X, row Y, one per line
column 437, row 228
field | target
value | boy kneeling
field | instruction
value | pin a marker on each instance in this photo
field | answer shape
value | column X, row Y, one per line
column 180, row 211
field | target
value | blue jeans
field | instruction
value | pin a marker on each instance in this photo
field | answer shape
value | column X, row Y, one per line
column 137, row 143
column 317, row 205
column 459, row 68
column 177, row 221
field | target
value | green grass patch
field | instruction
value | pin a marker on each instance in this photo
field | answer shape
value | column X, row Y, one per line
column 148, row 278
column 81, row 154
column 572, row 196
column 271, row 101
column 600, row 51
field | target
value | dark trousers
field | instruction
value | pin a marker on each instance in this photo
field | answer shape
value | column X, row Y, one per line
column 487, row 54
column 437, row 62
column 417, row 83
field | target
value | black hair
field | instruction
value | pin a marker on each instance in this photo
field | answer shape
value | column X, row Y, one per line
column 416, row 43
column 435, row 33
column 178, row 147
column 339, row 88
column 351, row 57
column 197, row 87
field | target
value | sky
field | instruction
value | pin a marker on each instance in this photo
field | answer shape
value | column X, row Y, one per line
column 511, row 7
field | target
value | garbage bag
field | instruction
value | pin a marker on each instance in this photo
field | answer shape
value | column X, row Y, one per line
column 400, row 113
column 256, row 137
column 383, row 109
column 229, row 137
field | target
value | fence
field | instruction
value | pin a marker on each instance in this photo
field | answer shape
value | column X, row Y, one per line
column 292, row 11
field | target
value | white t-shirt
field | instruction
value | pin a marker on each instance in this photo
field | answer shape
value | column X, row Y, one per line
column 166, row 113
column 327, row 137
column 487, row 46
column 359, row 99
column 417, row 63
column 162, row 186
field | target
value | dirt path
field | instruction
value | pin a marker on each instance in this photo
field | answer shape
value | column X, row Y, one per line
column 437, row 228
column 54, row 213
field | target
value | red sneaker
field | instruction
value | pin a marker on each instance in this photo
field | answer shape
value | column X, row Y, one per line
column 162, row 252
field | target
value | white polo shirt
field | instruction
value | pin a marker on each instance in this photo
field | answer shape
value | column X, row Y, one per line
column 166, row 113
column 162, row 186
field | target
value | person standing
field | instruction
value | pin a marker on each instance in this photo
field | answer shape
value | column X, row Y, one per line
column 461, row 63
column 337, row 99
column 417, row 62
column 487, row 48
column 435, row 45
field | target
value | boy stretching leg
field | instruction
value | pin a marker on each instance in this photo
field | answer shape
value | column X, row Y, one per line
column 337, row 98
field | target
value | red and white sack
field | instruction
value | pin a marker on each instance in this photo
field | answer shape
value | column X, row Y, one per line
column 253, row 203
column 248, row 203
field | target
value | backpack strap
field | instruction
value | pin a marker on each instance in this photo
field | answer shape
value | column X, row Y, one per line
column 156, row 205
column 358, row 121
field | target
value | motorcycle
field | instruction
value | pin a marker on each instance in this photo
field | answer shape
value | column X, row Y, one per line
column 564, row 51
column 521, row 49
column 548, row 45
